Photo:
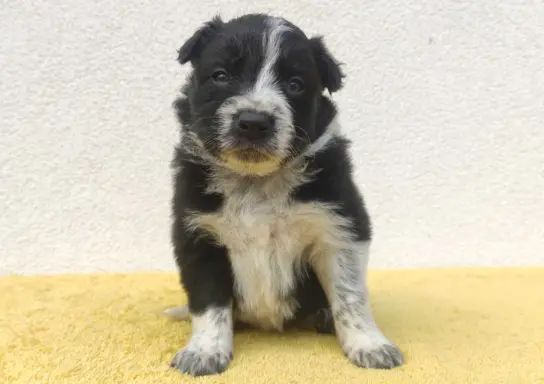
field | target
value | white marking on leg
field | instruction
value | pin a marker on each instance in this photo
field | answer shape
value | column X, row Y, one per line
column 209, row 350
column 344, row 279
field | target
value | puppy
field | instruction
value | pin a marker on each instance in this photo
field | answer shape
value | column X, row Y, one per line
column 268, row 225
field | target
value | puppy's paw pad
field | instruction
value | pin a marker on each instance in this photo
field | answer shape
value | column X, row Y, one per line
column 385, row 356
column 199, row 363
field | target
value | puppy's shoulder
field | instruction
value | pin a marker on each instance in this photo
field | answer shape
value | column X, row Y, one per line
column 191, row 181
column 331, row 169
column 332, row 183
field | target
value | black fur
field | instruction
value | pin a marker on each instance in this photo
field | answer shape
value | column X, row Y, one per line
column 193, row 47
column 329, row 69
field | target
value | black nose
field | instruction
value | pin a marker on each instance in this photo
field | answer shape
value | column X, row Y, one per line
column 254, row 125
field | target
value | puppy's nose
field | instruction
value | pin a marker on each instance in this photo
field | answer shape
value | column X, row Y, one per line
column 254, row 125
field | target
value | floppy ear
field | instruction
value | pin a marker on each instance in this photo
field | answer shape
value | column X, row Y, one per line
column 328, row 67
column 192, row 48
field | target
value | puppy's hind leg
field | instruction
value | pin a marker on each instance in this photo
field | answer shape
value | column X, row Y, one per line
column 178, row 313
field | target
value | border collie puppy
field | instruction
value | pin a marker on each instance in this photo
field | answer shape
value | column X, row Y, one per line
column 269, row 227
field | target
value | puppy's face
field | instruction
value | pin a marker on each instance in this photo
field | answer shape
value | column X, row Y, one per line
column 255, row 89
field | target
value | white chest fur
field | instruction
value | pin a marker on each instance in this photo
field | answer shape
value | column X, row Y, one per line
column 268, row 237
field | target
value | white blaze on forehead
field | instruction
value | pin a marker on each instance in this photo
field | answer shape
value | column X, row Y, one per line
column 267, row 90
column 265, row 95
column 267, row 80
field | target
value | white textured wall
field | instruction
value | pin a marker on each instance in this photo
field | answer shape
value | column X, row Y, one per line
column 444, row 102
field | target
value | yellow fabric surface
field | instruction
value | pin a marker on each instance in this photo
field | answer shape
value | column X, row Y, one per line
column 454, row 326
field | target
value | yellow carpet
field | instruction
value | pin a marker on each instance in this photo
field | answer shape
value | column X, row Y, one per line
column 454, row 326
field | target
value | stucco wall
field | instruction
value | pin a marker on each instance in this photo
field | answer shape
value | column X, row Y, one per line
column 444, row 102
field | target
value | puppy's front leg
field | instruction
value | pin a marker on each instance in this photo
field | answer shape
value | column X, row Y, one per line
column 344, row 279
column 207, row 279
column 210, row 349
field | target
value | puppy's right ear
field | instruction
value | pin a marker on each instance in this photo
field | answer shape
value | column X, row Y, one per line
column 193, row 47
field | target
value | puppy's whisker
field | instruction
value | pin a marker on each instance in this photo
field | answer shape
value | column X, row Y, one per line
column 188, row 128
column 306, row 138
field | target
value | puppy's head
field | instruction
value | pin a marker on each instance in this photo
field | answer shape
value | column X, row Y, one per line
column 253, row 96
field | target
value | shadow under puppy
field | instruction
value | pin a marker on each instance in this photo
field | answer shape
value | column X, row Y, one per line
column 269, row 226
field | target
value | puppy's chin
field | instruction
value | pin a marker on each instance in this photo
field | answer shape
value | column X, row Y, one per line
column 250, row 162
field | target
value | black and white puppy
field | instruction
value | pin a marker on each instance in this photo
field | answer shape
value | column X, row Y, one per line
column 269, row 226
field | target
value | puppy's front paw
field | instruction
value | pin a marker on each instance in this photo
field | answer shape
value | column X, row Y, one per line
column 373, row 352
column 201, row 360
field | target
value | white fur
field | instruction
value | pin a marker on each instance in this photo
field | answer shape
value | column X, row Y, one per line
column 332, row 130
column 268, row 236
column 343, row 277
column 211, row 334
column 211, row 341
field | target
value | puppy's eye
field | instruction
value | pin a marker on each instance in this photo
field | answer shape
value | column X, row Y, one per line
column 220, row 77
column 295, row 86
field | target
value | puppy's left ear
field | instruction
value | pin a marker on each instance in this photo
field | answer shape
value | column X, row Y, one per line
column 193, row 47
column 328, row 67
